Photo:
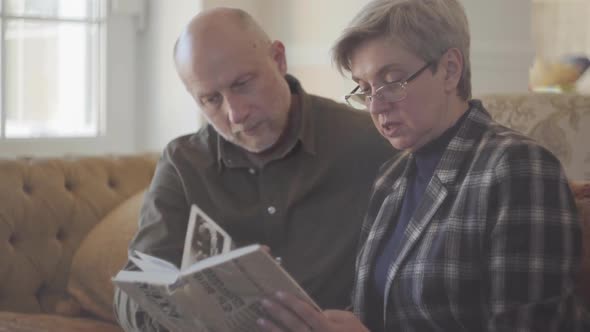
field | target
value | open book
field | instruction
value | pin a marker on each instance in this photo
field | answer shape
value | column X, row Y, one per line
column 217, row 288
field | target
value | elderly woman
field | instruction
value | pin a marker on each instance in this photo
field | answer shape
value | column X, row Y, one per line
column 474, row 227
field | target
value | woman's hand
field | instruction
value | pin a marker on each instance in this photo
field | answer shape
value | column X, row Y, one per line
column 295, row 315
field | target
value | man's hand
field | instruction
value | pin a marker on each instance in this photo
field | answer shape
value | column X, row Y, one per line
column 298, row 316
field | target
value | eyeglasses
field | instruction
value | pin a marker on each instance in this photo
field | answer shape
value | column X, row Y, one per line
column 391, row 92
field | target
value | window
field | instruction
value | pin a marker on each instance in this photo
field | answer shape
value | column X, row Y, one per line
column 52, row 75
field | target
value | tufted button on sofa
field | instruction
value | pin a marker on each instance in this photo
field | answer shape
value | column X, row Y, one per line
column 47, row 207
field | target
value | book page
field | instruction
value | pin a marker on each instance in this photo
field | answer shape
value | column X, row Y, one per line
column 149, row 263
column 204, row 238
column 151, row 294
column 161, row 278
column 219, row 259
column 226, row 296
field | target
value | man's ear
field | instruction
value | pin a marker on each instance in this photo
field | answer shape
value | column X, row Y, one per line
column 453, row 64
column 279, row 56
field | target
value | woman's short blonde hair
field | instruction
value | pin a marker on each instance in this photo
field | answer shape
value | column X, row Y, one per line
column 427, row 28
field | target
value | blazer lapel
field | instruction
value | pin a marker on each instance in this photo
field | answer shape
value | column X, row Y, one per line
column 433, row 197
column 384, row 217
column 368, row 251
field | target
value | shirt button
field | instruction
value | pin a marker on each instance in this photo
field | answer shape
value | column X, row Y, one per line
column 252, row 171
column 271, row 210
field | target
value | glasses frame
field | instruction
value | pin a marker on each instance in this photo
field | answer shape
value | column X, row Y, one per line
column 379, row 92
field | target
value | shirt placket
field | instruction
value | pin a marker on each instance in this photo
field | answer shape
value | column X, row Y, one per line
column 271, row 205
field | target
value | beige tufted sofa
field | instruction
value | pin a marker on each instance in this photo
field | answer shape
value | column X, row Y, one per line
column 47, row 207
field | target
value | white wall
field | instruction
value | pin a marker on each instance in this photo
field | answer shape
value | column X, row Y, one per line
column 502, row 51
column 164, row 109
column 257, row 8
column 502, row 48
column 313, row 26
column 121, row 86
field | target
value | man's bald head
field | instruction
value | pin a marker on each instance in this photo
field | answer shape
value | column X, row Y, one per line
column 212, row 27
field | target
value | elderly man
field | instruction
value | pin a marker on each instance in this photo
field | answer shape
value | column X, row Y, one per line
column 274, row 165
column 473, row 227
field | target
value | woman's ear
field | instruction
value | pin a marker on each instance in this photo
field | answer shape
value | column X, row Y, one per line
column 453, row 64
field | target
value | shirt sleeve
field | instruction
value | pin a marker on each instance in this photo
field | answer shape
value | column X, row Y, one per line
column 162, row 227
column 534, row 243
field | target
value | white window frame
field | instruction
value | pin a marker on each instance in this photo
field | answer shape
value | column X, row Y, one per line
column 117, row 95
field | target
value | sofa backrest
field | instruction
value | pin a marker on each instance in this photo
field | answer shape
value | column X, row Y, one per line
column 47, row 206
column 560, row 122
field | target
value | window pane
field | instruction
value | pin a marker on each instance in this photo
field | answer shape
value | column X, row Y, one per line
column 49, row 78
column 73, row 9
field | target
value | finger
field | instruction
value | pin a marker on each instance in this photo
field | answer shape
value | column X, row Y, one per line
column 344, row 320
column 305, row 311
column 338, row 315
column 284, row 316
column 267, row 325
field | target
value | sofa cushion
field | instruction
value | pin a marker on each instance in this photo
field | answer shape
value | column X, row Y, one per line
column 19, row 322
column 100, row 256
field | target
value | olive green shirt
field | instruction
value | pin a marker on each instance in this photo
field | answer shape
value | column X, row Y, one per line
column 306, row 204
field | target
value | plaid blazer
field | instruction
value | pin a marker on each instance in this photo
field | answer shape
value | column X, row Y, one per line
column 493, row 245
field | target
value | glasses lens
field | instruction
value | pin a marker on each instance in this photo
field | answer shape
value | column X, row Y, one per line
column 393, row 92
column 357, row 101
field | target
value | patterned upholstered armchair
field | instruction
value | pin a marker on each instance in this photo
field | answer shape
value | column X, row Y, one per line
column 561, row 122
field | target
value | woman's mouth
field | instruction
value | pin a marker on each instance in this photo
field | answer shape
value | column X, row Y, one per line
column 390, row 129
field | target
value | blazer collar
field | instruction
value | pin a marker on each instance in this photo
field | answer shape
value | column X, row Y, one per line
column 461, row 146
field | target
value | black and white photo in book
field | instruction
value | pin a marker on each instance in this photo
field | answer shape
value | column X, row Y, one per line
column 204, row 238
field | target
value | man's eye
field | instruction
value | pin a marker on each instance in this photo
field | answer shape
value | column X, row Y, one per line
column 212, row 100
column 242, row 83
